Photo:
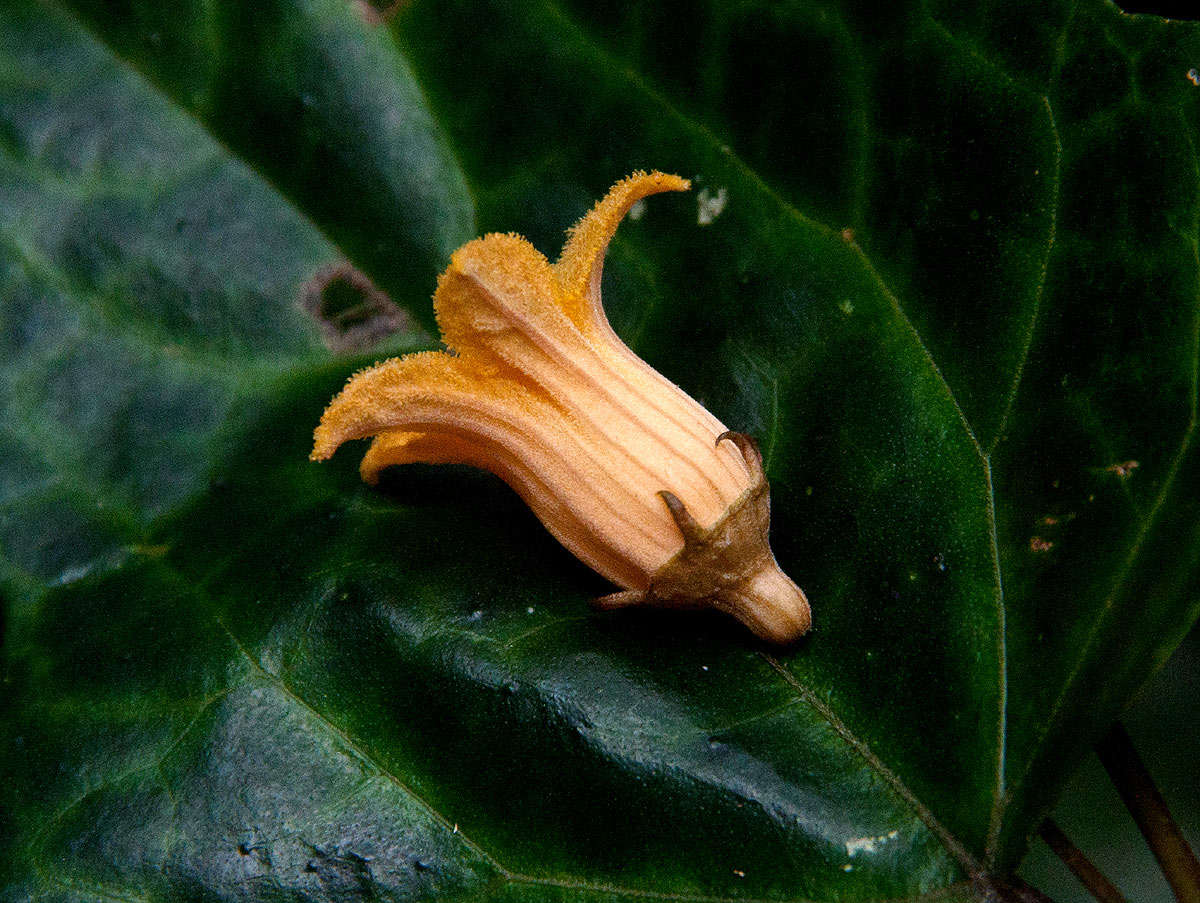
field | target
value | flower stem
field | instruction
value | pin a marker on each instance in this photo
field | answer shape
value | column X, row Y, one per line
column 1146, row 805
column 1089, row 876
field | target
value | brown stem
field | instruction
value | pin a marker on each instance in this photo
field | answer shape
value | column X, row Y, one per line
column 1087, row 873
column 992, row 889
column 1149, row 810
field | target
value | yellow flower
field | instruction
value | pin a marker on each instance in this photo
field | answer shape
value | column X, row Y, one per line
column 627, row 471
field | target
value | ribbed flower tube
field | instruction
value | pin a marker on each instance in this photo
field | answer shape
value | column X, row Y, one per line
column 625, row 469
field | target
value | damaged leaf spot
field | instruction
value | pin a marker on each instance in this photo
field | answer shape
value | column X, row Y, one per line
column 352, row 313
column 1124, row 469
column 1038, row 544
column 377, row 12
column 342, row 874
column 1054, row 520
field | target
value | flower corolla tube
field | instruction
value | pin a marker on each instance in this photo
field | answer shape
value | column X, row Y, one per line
column 625, row 469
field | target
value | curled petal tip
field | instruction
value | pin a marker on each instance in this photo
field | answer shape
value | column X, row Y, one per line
column 582, row 259
column 324, row 443
column 651, row 182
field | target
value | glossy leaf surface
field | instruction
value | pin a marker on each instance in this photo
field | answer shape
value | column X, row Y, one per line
column 942, row 263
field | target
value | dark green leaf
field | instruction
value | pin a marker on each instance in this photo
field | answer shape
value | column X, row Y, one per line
column 951, row 283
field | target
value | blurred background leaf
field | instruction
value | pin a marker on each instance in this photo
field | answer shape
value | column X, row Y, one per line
column 1162, row 722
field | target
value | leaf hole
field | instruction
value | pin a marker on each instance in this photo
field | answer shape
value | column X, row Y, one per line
column 352, row 313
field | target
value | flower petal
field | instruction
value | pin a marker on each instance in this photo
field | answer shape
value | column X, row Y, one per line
column 500, row 304
column 579, row 271
column 438, row 408
column 498, row 294
column 379, row 398
column 581, row 265
column 396, row 447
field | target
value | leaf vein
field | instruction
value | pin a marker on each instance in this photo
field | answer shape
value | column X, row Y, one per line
column 363, row 754
column 973, row 50
column 1107, row 608
column 950, row 890
column 1039, row 291
column 42, row 835
column 952, row 844
column 510, row 876
column 996, row 817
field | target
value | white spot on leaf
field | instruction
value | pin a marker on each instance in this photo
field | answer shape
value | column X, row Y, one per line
column 73, row 573
column 856, row 845
column 709, row 206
